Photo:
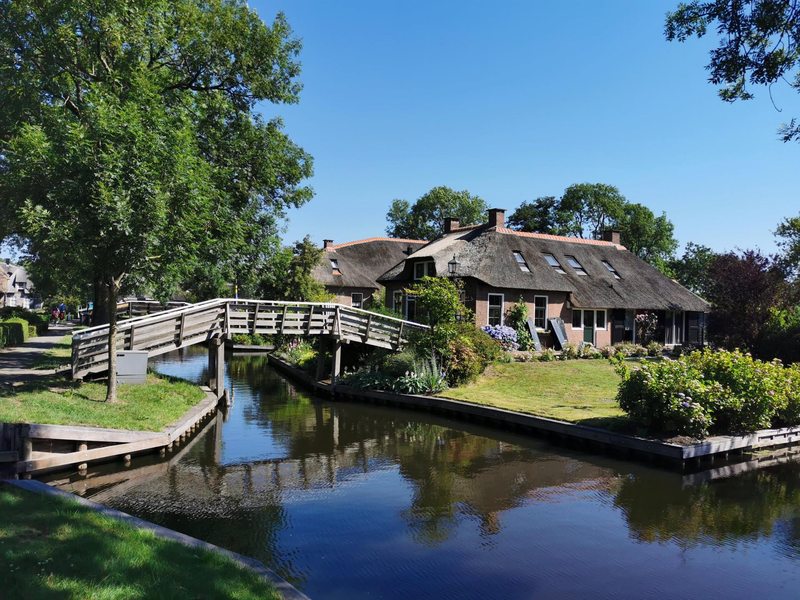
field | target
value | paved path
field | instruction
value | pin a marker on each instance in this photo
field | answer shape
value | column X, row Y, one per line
column 15, row 361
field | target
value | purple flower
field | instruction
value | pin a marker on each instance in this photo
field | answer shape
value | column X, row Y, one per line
column 685, row 405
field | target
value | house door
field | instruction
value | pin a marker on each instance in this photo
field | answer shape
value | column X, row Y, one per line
column 588, row 326
column 618, row 326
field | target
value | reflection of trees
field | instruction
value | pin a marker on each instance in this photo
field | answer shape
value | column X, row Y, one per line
column 740, row 508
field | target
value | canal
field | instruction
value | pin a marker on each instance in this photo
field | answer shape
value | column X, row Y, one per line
column 351, row 501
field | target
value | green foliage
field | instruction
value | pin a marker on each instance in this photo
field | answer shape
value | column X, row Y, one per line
column 39, row 320
column 655, row 349
column 547, row 355
column 711, row 392
column 788, row 234
column 587, row 209
column 692, row 270
column 298, row 352
column 517, row 319
column 289, row 276
column 439, row 303
column 424, row 220
column 759, row 44
column 129, row 143
column 423, row 377
column 248, row 339
column 469, row 352
column 13, row 332
column 782, row 335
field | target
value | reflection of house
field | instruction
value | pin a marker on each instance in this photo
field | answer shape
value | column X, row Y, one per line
column 596, row 287
column 17, row 288
column 349, row 270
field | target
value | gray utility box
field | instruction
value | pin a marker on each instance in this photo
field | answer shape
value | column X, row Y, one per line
column 132, row 366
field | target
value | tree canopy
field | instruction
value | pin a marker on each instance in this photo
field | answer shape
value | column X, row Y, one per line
column 788, row 233
column 585, row 210
column 759, row 44
column 129, row 142
column 692, row 270
column 424, row 219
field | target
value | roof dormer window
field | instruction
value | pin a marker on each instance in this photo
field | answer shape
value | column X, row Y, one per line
column 523, row 266
column 611, row 269
column 424, row 269
column 573, row 262
column 551, row 260
column 335, row 266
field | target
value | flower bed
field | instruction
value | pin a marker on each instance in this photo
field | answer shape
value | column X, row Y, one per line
column 710, row 392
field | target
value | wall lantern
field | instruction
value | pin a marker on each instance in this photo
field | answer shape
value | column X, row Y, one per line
column 452, row 266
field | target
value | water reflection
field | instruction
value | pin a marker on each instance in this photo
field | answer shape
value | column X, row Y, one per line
column 356, row 501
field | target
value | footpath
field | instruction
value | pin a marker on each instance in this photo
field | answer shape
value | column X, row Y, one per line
column 15, row 361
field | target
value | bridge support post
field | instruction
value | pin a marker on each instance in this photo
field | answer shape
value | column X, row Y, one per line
column 336, row 368
column 321, row 354
column 216, row 365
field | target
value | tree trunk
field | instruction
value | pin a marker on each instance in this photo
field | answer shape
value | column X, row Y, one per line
column 101, row 312
column 111, row 391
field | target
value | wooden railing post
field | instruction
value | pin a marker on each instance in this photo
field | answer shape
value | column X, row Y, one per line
column 180, row 333
column 255, row 319
column 283, row 317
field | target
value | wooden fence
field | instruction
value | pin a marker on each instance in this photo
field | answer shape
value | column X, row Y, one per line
column 187, row 325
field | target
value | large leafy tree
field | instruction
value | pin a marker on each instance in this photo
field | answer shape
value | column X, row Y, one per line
column 585, row 210
column 759, row 44
column 130, row 147
column 788, row 233
column 692, row 270
column 290, row 274
column 424, row 219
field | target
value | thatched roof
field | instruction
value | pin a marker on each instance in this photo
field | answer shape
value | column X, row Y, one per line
column 363, row 261
column 487, row 254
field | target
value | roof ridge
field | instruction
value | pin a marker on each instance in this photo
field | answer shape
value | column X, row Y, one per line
column 333, row 247
column 558, row 238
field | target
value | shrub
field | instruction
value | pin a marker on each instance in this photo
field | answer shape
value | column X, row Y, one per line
column 569, row 352
column 547, row 355
column 15, row 331
column 32, row 331
column 711, row 392
column 627, row 349
column 655, row 349
column 399, row 363
column 424, row 378
column 241, row 338
column 39, row 320
column 505, row 336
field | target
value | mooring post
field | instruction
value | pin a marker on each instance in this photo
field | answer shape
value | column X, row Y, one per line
column 336, row 368
column 220, row 365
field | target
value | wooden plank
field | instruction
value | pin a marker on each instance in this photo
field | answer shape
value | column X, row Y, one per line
column 131, row 340
column 9, row 456
column 72, row 458
column 86, row 434
column 255, row 319
column 283, row 319
column 183, row 325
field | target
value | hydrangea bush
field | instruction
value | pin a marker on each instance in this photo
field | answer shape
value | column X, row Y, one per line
column 505, row 336
column 709, row 392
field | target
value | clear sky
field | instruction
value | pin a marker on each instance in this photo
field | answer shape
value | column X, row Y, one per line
column 514, row 100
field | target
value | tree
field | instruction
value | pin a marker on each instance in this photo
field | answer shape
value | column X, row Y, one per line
column 439, row 302
column 759, row 44
column 424, row 220
column 129, row 141
column 692, row 270
column 538, row 216
column 743, row 290
column 585, row 210
column 788, row 233
column 289, row 275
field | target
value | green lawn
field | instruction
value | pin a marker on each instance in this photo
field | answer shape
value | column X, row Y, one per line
column 57, row 357
column 53, row 548
column 59, row 401
column 579, row 391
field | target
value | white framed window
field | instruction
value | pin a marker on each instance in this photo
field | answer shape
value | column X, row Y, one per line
column 424, row 269
column 494, row 313
column 611, row 269
column 12, row 300
column 540, row 312
column 397, row 301
column 356, row 300
column 523, row 266
column 578, row 267
column 551, row 260
column 589, row 317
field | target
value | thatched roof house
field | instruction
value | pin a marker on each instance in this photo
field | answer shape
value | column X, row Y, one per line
column 350, row 270
column 16, row 288
column 596, row 287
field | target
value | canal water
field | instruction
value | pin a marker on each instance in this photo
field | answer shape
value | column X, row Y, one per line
column 351, row 501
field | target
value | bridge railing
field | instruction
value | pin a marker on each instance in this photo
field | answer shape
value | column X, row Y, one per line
column 196, row 323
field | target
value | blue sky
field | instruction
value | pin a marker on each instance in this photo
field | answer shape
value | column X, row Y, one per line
column 514, row 100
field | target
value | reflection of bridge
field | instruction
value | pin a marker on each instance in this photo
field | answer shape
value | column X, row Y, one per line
column 214, row 320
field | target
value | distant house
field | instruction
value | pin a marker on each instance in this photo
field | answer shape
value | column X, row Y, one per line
column 596, row 287
column 349, row 270
column 16, row 287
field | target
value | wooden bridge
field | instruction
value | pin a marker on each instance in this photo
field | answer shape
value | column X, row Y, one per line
column 214, row 320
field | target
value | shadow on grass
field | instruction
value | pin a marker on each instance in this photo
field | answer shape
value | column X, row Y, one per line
column 54, row 549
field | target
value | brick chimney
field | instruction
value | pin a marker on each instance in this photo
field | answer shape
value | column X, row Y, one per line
column 611, row 235
column 450, row 224
column 497, row 217
column 327, row 243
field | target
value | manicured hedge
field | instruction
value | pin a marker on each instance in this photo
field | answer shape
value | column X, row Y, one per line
column 40, row 320
column 711, row 393
column 13, row 332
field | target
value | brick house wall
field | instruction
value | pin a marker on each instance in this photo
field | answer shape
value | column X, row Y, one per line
column 344, row 295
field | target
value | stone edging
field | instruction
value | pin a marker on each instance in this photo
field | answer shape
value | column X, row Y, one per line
column 288, row 591
column 676, row 453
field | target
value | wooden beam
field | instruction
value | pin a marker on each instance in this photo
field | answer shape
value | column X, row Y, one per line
column 85, row 434
column 283, row 319
column 255, row 319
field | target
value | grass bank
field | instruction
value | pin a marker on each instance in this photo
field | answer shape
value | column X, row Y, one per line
column 59, row 401
column 53, row 548
column 578, row 391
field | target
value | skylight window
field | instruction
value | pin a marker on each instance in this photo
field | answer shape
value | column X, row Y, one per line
column 521, row 262
column 334, row 264
column 551, row 260
column 573, row 262
column 611, row 269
